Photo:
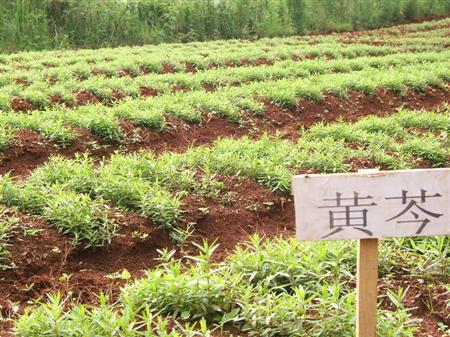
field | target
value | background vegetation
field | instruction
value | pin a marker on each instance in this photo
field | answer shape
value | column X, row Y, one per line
column 54, row 24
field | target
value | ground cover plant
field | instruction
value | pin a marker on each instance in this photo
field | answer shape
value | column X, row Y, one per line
column 145, row 191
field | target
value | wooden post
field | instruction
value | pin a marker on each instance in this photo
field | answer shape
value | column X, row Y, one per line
column 366, row 284
column 366, row 288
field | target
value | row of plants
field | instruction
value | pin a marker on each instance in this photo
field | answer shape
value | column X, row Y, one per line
column 395, row 142
column 53, row 58
column 76, row 198
column 421, row 27
column 134, row 65
column 396, row 35
column 81, row 197
column 113, row 62
column 265, row 288
column 232, row 103
column 419, row 43
column 40, row 93
column 8, row 222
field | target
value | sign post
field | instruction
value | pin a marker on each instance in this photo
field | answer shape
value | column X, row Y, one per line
column 367, row 206
column 367, row 284
column 366, row 288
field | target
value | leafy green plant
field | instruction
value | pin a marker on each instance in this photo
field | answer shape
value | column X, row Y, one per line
column 50, row 320
column 6, row 137
column 7, row 223
column 190, row 294
column 84, row 219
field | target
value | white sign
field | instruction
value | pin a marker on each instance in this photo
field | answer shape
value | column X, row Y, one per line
column 372, row 205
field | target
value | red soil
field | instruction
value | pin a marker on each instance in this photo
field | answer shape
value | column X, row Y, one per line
column 190, row 68
column 208, row 87
column 118, row 95
column 212, row 66
column 31, row 150
column 262, row 61
column 124, row 73
column 179, row 88
column 418, row 300
column 245, row 62
column 168, row 68
column 148, row 91
column 257, row 62
column 85, row 97
column 253, row 209
column 23, row 82
column 180, row 135
column 18, row 104
column 144, row 70
column 97, row 72
column 230, row 64
column 353, row 107
column 58, row 100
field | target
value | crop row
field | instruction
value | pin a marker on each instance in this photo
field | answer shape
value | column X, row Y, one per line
column 41, row 94
column 396, row 38
column 437, row 33
column 227, row 102
column 279, row 288
column 440, row 42
column 200, row 56
column 7, row 223
column 414, row 27
column 26, row 60
column 76, row 195
column 134, row 65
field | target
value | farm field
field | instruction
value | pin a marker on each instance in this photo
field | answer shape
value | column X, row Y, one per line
column 145, row 191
